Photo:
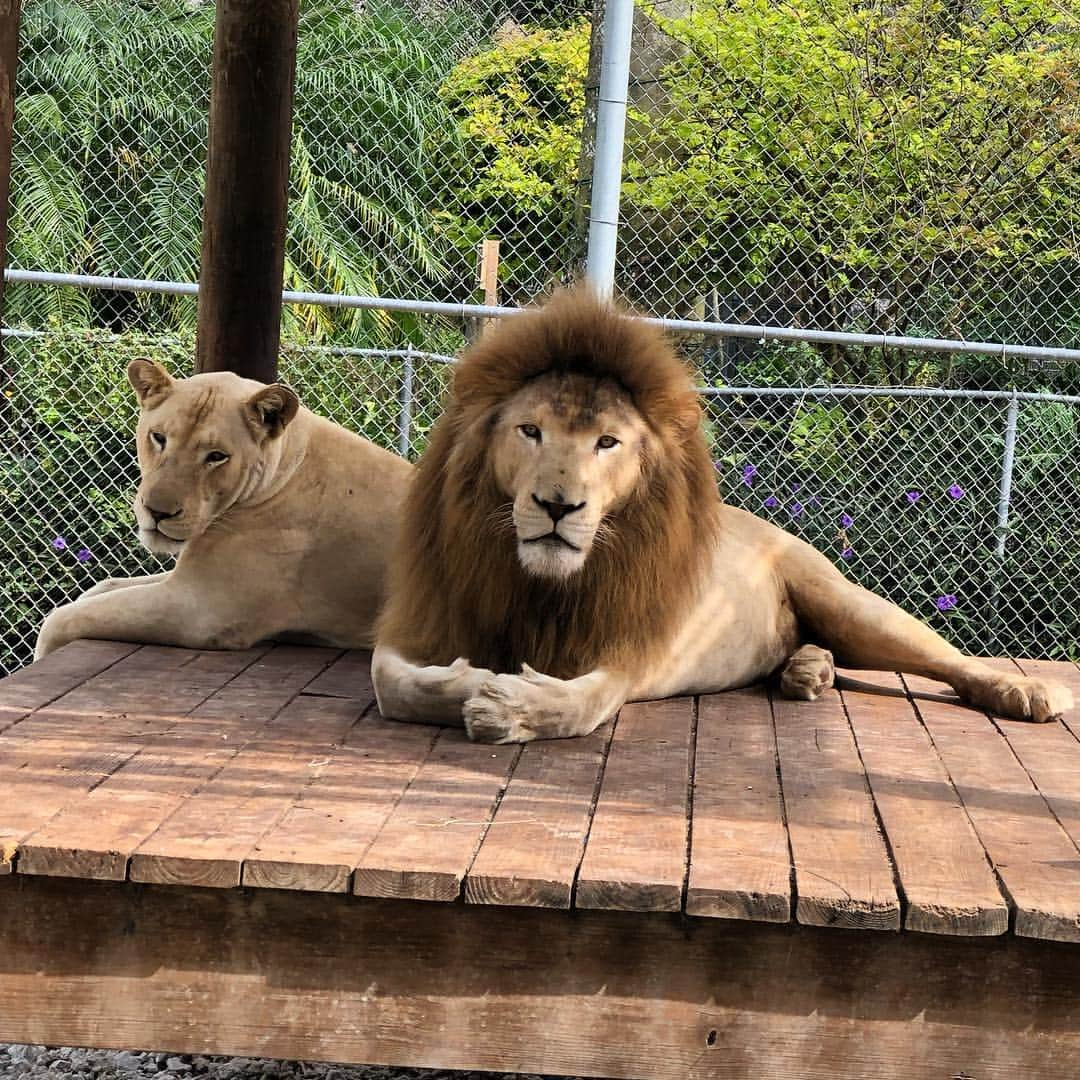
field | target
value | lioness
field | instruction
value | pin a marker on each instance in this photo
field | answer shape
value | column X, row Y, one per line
column 564, row 532
column 282, row 522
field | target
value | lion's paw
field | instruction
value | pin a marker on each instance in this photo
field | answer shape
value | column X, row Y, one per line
column 808, row 673
column 1017, row 697
column 497, row 713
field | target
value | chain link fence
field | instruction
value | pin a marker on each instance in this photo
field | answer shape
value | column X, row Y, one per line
column 906, row 169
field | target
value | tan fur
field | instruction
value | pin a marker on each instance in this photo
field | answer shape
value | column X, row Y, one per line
column 287, row 536
column 564, row 534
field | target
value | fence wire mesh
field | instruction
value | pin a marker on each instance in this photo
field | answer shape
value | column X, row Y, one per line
column 906, row 167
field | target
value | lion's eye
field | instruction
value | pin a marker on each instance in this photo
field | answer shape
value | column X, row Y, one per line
column 530, row 431
column 158, row 438
column 216, row 456
column 606, row 442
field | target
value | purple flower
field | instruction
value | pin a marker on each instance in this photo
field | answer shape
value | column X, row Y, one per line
column 846, row 521
column 59, row 543
column 955, row 491
column 913, row 496
column 796, row 509
column 796, row 487
column 813, row 501
column 847, row 553
column 945, row 603
column 748, row 474
column 771, row 503
column 84, row 555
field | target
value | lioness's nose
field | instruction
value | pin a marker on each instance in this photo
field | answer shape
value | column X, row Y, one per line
column 160, row 515
column 557, row 510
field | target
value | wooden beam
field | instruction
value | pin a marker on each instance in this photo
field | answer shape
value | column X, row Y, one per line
column 317, row 976
column 9, row 54
column 247, row 174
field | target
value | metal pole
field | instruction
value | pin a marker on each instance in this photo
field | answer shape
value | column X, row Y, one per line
column 9, row 52
column 405, row 412
column 1007, row 459
column 607, row 160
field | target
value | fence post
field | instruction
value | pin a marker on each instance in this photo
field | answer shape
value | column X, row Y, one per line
column 405, row 403
column 9, row 55
column 607, row 160
column 247, row 174
column 1007, row 458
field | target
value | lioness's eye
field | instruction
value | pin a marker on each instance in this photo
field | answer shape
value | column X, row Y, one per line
column 606, row 442
column 530, row 431
column 215, row 456
column 158, row 438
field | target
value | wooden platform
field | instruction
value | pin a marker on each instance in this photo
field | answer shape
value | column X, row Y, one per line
column 859, row 886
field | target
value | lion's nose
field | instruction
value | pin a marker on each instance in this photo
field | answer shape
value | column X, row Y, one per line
column 160, row 515
column 557, row 510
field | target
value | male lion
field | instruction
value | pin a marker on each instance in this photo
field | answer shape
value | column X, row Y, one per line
column 565, row 533
column 282, row 522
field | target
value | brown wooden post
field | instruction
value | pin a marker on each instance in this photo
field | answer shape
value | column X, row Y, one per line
column 247, row 175
column 9, row 52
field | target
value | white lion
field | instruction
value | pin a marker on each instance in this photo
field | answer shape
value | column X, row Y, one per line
column 282, row 522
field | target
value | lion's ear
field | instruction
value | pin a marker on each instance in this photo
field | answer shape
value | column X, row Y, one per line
column 150, row 381
column 272, row 408
column 686, row 416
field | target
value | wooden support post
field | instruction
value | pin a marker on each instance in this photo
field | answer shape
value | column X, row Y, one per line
column 247, row 174
column 9, row 52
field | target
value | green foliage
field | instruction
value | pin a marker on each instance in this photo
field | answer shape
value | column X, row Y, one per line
column 519, row 110
column 111, row 134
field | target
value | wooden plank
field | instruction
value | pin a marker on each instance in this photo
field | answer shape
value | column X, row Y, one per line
column 1034, row 858
column 945, row 879
column 347, row 677
column 325, row 833
column 322, row 977
column 635, row 858
column 427, row 844
column 59, row 753
column 843, row 876
column 247, row 174
column 210, row 834
column 1050, row 753
column 60, row 672
column 740, row 862
column 94, row 837
column 532, row 850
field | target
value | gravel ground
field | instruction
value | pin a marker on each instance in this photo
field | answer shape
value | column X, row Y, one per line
column 41, row 1062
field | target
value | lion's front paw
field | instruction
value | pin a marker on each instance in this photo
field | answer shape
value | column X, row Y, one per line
column 1020, row 698
column 499, row 711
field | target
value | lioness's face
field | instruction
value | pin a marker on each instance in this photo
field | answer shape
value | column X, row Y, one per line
column 205, row 444
column 567, row 451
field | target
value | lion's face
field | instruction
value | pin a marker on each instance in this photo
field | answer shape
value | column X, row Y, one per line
column 205, row 444
column 568, row 451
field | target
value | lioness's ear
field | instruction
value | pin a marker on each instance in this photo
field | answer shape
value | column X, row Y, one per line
column 149, row 380
column 272, row 408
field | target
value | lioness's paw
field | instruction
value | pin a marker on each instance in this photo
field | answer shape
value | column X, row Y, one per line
column 499, row 712
column 1021, row 698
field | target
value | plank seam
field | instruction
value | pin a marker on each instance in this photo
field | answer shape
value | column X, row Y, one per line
column 507, row 777
column 901, row 895
column 1010, row 900
column 793, row 906
column 688, row 806
column 592, row 809
column 351, row 886
column 299, row 794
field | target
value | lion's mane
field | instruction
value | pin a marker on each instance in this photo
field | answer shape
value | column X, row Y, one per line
column 457, row 587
